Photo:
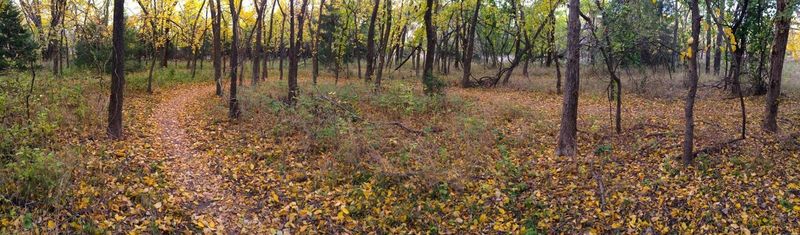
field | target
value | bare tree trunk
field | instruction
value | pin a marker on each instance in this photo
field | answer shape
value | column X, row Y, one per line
column 269, row 37
column 469, row 46
column 567, row 135
column 258, row 48
column 718, row 50
column 384, row 45
column 675, row 45
column 57, row 8
column 428, row 79
column 782, row 26
column 315, row 50
column 371, row 42
column 118, row 72
column 708, row 42
column 282, row 45
column 295, row 42
column 150, row 73
column 688, row 135
column 165, row 55
column 216, row 47
column 233, row 105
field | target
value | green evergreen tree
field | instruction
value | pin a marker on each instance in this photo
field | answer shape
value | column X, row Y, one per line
column 16, row 44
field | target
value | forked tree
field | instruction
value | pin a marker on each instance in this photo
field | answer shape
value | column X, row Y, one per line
column 371, row 41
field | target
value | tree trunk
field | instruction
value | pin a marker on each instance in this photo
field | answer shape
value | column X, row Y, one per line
column 233, row 105
column 118, row 72
column 371, row 42
column 384, row 45
column 258, row 48
column 688, row 135
column 165, row 55
column 315, row 51
column 718, row 50
column 569, row 112
column 150, row 73
column 708, row 42
column 782, row 26
column 428, row 79
column 269, row 37
column 282, row 45
column 295, row 42
column 216, row 47
column 469, row 46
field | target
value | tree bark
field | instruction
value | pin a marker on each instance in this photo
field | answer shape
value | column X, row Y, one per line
column 718, row 50
column 469, row 46
column 688, row 134
column 384, row 45
column 258, row 48
column 782, row 26
column 295, row 42
column 233, row 105
column 216, row 53
column 282, row 45
column 708, row 42
column 269, row 37
column 371, row 42
column 118, row 72
column 430, row 36
column 315, row 51
column 569, row 112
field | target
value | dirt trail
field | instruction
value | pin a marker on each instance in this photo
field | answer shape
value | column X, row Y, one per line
column 199, row 188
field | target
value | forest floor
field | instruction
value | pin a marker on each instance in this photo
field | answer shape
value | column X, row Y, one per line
column 347, row 160
column 199, row 188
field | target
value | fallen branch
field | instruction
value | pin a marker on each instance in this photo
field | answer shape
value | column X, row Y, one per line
column 717, row 147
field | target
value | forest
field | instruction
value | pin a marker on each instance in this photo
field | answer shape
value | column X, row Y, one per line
column 399, row 116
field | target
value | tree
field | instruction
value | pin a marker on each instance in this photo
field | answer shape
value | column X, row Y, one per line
column 17, row 48
column 783, row 20
column 57, row 9
column 269, row 36
column 431, row 83
column 258, row 50
column 692, row 77
column 315, row 50
column 158, row 15
column 233, row 105
column 295, row 42
column 382, row 57
column 371, row 41
column 118, row 72
column 469, row 46
column 216, row 53
column 569, row 109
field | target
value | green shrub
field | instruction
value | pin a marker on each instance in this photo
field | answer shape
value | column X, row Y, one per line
column 32, row 175
column 401, row 98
